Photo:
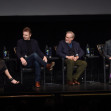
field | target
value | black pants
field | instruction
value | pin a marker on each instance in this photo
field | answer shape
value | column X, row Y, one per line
column 3, row 66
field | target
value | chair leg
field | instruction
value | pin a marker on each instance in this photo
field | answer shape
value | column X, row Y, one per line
column 44, row 75
column 51, row 73
column 104, row 71
column 63, row 76
column 63, row 71
column 85, row 76
column 21, row 77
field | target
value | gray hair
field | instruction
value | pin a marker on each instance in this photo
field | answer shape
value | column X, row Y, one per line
column 73, row 34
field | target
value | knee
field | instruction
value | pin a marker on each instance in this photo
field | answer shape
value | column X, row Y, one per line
column 35, row 55
column 70, row 61
column 84, row 63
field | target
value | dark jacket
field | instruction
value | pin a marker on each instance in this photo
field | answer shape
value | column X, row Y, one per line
column 63, row 49
column 107, row 49
column 21, row 48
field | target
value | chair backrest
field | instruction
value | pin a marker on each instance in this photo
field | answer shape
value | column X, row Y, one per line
column 100, row 48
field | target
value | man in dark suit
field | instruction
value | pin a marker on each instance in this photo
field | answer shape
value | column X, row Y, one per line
column 72, row 52
column 107, row 49
column 30, row 55
column 107, row 53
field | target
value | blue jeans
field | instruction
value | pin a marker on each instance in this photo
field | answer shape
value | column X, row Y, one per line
column 34, row 60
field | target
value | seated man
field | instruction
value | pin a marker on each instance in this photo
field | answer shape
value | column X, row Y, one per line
column 30, row 55
column 4, row 69
column 107, row 49
column 72, row 52
column 107, row 53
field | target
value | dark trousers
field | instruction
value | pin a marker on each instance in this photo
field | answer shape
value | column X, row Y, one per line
column 34, row 60
column 70, row 69
column 3, row 66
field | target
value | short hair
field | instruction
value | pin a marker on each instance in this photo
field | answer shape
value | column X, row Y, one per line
column 27, row 29
column 73, row 34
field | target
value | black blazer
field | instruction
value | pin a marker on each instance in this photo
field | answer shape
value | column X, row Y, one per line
column 21, row 48
column 62, row 49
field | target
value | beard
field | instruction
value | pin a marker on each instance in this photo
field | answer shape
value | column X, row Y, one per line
column 67, row 42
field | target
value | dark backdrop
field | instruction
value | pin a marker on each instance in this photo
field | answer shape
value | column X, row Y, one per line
column 91, row 29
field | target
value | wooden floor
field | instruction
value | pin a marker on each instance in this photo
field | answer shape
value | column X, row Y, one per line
column 90, row 88
column 92, row 96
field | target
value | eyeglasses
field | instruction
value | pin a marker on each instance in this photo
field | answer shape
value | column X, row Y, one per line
column 68, row 37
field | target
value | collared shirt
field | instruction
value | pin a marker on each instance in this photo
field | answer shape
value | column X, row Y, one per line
column 70, row 45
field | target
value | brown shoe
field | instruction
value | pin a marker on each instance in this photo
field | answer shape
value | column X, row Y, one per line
column 76, row 82
column 70, row 83
column 50, row 66
column 37, row 84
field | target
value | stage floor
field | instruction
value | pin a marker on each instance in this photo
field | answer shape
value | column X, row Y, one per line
column 92, row 96
column 88, row 88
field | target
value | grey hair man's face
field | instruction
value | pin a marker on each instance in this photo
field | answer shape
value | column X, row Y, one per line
column 69, row 37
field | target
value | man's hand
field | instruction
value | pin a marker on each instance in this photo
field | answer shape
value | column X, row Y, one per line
column 23, row 61
column 70, row 57
column 76, row 58
column 110, row 58
column 45, row 59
